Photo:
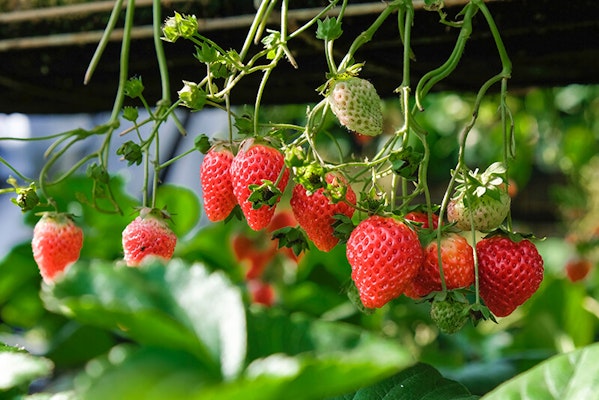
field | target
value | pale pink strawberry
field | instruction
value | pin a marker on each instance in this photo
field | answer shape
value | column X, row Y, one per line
column 56, row 244
column 148, row 236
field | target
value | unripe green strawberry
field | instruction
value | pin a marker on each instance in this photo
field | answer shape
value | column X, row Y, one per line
column 357, row 106
column 385, row 255
column 458, row 266
column 56, row 244
column 481, row 201
column 315, row 211
column 148, row 236
column 487, row 212
column 449, row 315
column 254, row 164
column 217, row 189
column 509, row 273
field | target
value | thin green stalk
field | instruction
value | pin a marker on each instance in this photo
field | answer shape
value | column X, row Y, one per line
column 155, row 174
column 21, row 176
column 367, row 35
column 73, row 169
column 261, row 15
column 114, row 16
column 260, row 91
column 433, row 77
column 175, row 159
column 229, row 118
column 506, row 63
column 124, row 61
column 308, row 24
column 159, row 48
column 407, row 40
column 264, row 22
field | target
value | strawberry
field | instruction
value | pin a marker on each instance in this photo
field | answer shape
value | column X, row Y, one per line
column 315, row 211
column 385, row 255
column 254, row 253
column 578, row 269
column 422, row 218
column 458, row 266
column 148, row 236
column 217, row 189
column 253, row 165
column 487, row 212
column 449, row 315
column 481, row 201
column 56, row 244
column 509, row 272
column 357, row 106
column 261, row 293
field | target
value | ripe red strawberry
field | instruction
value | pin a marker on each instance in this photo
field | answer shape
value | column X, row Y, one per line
column 56, row 244
column 315, row 211
column 385, row 255
column 251, row 166
column 458, row 266
column 255, row 254
column 578, row 269
column 217, row 189
column 422, row 218
column 148, row 235
column 357, row 106
column 509, row 273
column 261, row 293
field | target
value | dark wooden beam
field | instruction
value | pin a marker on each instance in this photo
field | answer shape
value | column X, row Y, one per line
column 551, row 43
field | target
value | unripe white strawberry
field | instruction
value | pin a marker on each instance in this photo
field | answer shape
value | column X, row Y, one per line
column 357, row 106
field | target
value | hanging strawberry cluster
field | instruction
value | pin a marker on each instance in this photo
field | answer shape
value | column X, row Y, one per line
column 398, row 241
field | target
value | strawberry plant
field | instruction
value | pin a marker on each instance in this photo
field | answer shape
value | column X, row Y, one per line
column 328, row 267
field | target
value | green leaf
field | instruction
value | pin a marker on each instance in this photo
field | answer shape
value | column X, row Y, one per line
column 297, row 357
column 183, row 205
column 202, row 143
column 207, row 53
column 19, row 368
column 245, row 124
column 406, row 162
column 293, row 238
column 418, row 382
column 569, row 376
column 175, row 306
column 131, row 372
column 328, row 29
column 131, row 152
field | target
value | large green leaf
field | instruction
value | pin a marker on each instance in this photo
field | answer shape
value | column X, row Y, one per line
column 315, row 360
column 132, row 372
column 183, row 204
column 175, row 306
column 19, row 368
column 570, row 376
column 419, row 382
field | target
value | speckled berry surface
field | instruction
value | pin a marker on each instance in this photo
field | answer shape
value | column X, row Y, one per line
column 385, row 254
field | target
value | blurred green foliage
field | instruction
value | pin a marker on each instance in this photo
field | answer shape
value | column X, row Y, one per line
column 191, row 330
